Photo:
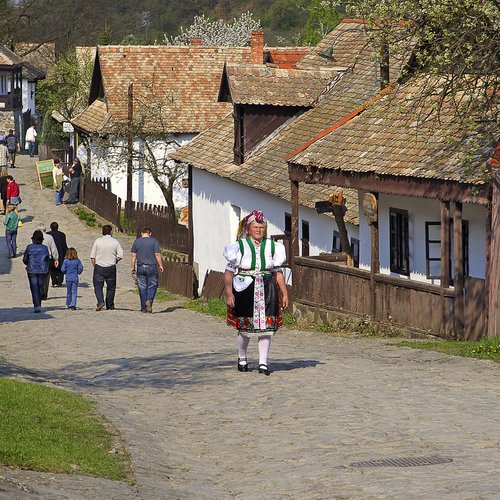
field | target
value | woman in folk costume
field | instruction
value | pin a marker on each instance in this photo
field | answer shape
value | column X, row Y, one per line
column 253, row 282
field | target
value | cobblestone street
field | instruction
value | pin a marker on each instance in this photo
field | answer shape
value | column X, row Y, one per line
column 197, row 428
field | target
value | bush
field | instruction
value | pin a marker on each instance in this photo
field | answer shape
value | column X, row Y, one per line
column 52, row 133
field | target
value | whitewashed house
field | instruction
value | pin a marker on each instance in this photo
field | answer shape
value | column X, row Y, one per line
column 185, row 80
column 429, row 225
column 239, row 164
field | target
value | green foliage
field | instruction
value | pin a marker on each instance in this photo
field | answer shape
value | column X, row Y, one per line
column 52, row 430
column 212, row 307
column 104, row 36
column 85, row 215
column 67, row 85
column 482, row 349
column 52, row 132
column 322, row 17
column 456, row 42
column 284, row 15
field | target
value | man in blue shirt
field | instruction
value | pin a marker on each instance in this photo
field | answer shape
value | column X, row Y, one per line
column 147, row 258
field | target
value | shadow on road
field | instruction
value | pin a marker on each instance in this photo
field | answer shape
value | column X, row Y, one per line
column 160, row 372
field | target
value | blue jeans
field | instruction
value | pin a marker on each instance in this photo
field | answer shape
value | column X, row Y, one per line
column 36, row 281
column 74, row 190
column 31, row 148
column 147, row 282
column 59, row 196
column 11, row 240
column 71, row 293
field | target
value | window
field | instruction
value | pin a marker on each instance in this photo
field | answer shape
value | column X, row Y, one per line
column 288, row 224
column 399, row 241
column 433, row 249
column 305, row 238
column 355, row 251
column 336, row 245
column 4, row 89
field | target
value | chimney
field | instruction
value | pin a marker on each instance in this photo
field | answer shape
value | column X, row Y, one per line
column 196, row 42
column 257, row 46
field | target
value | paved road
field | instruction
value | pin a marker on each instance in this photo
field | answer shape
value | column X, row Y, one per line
column 196, row 428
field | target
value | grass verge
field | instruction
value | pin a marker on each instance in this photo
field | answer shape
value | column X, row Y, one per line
column 481, row 349
column 52, row 430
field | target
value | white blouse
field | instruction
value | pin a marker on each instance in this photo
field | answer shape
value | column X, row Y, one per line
column 238, row 263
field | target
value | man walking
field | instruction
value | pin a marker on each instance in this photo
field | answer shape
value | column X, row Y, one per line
column 12, row 146
column 62, row 247
column 4, row 157
column 146, row 256
column 30, row 140
column 104, row 256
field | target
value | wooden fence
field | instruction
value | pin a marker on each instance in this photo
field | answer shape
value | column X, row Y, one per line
column 178, row 277
column 388, row 300
column 94, row 195
column 168, row 232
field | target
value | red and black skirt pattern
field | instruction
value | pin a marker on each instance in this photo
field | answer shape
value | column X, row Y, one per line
column 242, row 316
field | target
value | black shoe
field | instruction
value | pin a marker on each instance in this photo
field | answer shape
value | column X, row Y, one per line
column 242, row 367
column 99, row 307
column 264, row 369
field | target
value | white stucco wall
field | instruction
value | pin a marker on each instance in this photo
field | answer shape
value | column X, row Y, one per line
column 421, row 211
column 105, row 163
column 28, row 96
column 215, row 223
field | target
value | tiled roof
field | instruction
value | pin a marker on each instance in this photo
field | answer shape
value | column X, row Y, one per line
column 32, row 73
column 185, row 80
column 43, row 56
column 93, row 118
column 9, row 58
column 388, row 139
column 266, row 169
column 260, row 84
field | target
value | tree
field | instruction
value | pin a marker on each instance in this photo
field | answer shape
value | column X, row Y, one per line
column 454, row 49
column 67, row 85
column 322, row 17
column 151, row 143
column 235, row 33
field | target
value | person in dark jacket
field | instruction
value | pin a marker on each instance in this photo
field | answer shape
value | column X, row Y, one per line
column 36, row 257
column 76, row 172
column 3, row 191
column 59, row 238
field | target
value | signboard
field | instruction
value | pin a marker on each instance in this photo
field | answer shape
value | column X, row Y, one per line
column 44, row 169
column 370, row 208
column 67, row 127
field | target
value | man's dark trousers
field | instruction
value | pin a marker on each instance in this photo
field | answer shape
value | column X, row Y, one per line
column 105, row 275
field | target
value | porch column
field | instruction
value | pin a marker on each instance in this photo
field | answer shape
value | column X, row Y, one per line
column 190, row 217
column 447, row 328
column 459, row 303
column 294, row 247
column 493, row 262
column 374, row 259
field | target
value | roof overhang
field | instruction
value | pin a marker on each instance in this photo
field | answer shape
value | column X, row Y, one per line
column 418, row 187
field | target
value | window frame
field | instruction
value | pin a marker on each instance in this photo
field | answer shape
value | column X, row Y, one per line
column 399, row 241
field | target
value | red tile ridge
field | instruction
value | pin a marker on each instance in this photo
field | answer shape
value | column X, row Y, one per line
column 341, row 122
column 364, row 21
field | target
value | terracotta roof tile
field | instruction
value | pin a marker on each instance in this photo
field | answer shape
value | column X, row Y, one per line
column 93, row 118
column 387, row 139
column 260, row 84
column 185, row 80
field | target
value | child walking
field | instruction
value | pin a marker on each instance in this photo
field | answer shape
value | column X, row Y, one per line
column 72, row 267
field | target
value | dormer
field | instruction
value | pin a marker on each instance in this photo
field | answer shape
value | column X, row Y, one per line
column 265, row 97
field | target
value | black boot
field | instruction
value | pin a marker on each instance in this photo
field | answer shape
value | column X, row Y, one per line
column 242, row 367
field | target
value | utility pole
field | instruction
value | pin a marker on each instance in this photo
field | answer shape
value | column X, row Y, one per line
column 130, row 146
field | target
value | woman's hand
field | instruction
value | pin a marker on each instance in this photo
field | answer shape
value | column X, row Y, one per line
column 284, row 301
column 228, row 286
column 230, row 300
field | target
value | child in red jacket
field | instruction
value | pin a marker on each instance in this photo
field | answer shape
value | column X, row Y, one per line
column 13, row 197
